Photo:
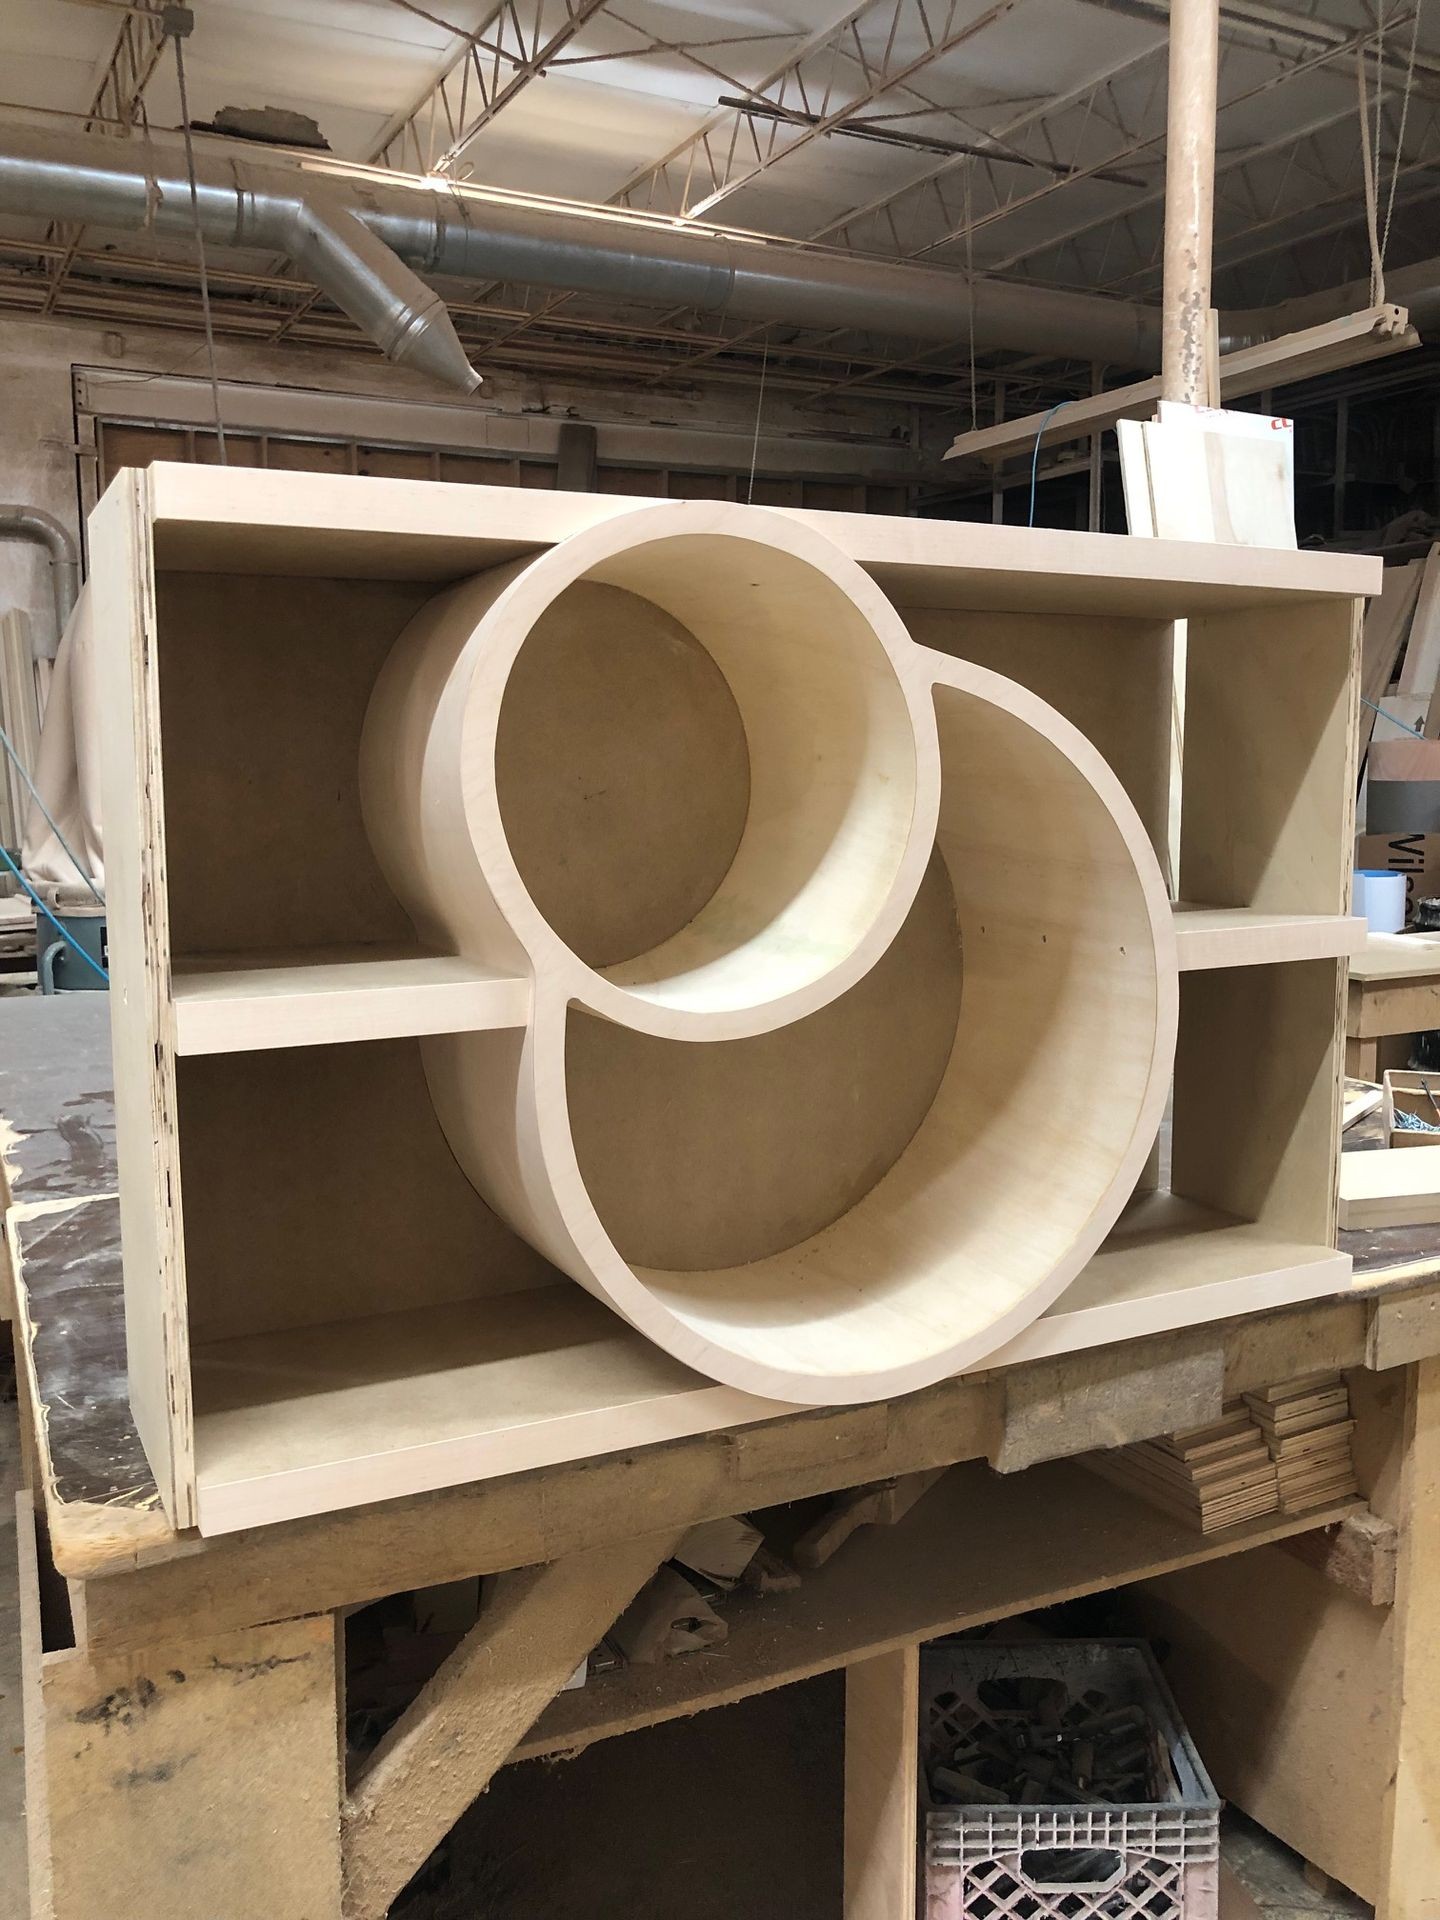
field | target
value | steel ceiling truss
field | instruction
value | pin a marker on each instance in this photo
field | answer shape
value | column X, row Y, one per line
column 872, row 53
column 118, row 102
column 516, row 43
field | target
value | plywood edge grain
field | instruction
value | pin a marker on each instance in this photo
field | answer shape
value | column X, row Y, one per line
column 1247, row 937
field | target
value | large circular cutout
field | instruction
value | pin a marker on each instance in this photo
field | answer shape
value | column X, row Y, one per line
column 683, row 760
column 622, row 772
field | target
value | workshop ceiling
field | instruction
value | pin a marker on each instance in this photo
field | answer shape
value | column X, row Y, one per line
column 1019, row 138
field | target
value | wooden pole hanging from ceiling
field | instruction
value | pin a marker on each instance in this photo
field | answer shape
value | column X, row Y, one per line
column 1189, row 199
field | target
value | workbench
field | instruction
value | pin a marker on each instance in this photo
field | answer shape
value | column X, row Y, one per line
column 185, row 1696
column 1394, row 993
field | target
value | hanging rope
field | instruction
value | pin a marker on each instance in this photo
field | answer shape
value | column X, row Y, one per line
column 1367, row 162
column 178, row 35
column 1404, row 116
column 759, row 410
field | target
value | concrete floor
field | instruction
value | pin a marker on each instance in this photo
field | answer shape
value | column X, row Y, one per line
column 546, row 1839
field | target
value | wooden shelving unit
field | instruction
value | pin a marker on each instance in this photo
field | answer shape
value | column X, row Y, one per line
column 291, row 1008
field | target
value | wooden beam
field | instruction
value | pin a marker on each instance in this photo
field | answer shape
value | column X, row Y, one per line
column 1410, row 1859
column 197, row 1777
column 449, row 1742
column 882, row 1757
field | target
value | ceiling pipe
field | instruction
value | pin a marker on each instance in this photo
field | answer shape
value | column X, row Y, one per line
column 32, row 523
column 362, row 235
column 357, row 234
column 1416, row 288
column 1189, row 201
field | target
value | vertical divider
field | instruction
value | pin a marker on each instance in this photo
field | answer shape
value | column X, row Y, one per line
column 882, row 1772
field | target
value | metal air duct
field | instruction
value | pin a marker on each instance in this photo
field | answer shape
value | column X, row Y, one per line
column 357, row 233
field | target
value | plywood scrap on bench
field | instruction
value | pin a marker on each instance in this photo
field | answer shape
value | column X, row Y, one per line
column 879, row 1505
column 1358, row 1553
column 1390, row 1187
column 666, row 1619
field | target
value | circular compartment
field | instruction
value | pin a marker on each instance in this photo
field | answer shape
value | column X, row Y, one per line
column 681, row 764
column 889, row 1190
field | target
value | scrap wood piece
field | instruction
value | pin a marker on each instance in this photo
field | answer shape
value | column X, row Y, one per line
column 769, row 1573
column 1359, row 1553
column 1387, row 623
column 446, row 1747
column 1360, row 1097
column 880, row 1504
column 667, row 1618
column 720, row 1550
column 1421, row 665
column 1390, row 1187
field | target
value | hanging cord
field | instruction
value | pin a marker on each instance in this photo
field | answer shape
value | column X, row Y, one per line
column 8, row 744
column 759, row 409
column 1367, row 160
column 40, row 907
column 1035, row 456
column 1400, row 136
column 1394, row 719
column 178, row 27
column 970, row 307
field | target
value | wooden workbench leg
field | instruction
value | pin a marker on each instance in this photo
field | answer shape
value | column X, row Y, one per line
column 1362, row 1058
column 195, row 1779
column 882, row 1755
column 1410, row 1870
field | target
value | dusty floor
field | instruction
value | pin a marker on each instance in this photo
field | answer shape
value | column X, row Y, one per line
column 645, row 1827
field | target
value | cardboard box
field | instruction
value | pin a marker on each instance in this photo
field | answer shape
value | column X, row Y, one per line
column 1416, row 855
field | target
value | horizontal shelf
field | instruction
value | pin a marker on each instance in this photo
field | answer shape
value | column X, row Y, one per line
column 1249, row 937
column 316, row 1418
column 319, row 1418
column 237, row 1003
column 227, row 520
column 980, row 1546
column 1169, row 1263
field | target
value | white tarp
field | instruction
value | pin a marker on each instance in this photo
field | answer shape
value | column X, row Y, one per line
column 67, row 771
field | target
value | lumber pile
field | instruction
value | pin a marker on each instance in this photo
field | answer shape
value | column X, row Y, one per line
column 1283, row 1450
column 1215, row 1476
column 1307, row 1428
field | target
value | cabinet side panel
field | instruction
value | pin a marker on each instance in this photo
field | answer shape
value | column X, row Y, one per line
column 1268, row 802
column 141, row 1018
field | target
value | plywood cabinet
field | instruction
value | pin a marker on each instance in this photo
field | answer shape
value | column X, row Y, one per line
column 587, row 971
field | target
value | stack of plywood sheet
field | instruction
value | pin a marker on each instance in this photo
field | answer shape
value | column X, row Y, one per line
column 1216, row 1475
column 1307, row 1428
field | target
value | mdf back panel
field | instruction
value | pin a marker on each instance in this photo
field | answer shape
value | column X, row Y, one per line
column 264, row 683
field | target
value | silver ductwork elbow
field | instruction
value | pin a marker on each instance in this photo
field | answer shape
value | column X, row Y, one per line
column 139, row 187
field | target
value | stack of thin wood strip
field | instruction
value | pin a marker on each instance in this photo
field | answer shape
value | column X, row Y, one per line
column 1307, row 1428
column 1284, row 1450
column 1216, row 1475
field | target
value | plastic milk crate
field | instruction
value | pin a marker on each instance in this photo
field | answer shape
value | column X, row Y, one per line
column 1156, row 1858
